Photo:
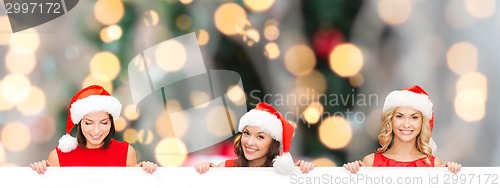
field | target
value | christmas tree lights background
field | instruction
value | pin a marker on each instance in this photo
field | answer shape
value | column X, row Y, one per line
column 327, row 64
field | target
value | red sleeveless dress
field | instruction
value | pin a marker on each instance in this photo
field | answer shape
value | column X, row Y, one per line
column 230, row 163
column 114, row 155
column 382, row 161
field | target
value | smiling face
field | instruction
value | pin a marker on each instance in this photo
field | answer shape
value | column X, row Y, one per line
column 255, row 144
column 95, row 127
column 406, row 124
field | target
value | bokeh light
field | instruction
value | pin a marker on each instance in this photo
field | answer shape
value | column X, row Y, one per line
column 15, row 136
column 472, row 87
column 35, row 102
column 4, row 104
column 25, row 42
column 130, row 112
column 170, row 152
column 271, row 30
column 130, row 135
column 170, row 56
column 105, row 66
column 313, row 113
column 199, row 99
column 186, row 1
column 481, row 9
column 183, row 22
column 165, row 128
column 151, row 18
column 315, row 81
column 145, row 136
column 236, row 94
column 203, row 37
column 272, row 50
column 258, row 5
column 346, row 60
column 230, row 18
column 462, row 57
column 216, row 119
column 20, row 63
column 335, row 132
column 469, row 112
column 357, row 80
column 251, row 37
column 109, row 11
column 394, row 12
column 324, row 162
column 91, row 80
column 120, row 124
column 5, row 30
column 300, row 60
column 15, row 88
column 114, row 32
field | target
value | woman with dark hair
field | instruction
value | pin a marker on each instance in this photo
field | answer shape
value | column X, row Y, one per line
column 94, row 111
column 264, row 141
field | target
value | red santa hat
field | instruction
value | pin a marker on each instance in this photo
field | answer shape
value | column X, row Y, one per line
column 414, row 97
column 272, row 122
column 91, row 99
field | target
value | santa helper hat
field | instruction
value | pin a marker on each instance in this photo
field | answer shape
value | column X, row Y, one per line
column 414, row 97
column 91, row 99
column 272, row 122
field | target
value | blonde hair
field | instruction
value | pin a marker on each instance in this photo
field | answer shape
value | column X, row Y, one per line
column 386, row 135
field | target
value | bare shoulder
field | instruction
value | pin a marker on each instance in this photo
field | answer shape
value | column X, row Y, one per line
column 131, row 156
column 368, row 159
column 222, row 164
column 437, row 162
column 53, row 158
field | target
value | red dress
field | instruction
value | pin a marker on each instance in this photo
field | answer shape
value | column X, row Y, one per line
column 380, row 160
column 230, row 163
column 114, row 155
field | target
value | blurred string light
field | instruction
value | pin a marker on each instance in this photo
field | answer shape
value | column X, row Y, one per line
column 91, row 80
column 313, row 113
column 315, row 80
column 130, row 135
column 42, row 129
column 236, row 94
column 145, row 136
column 109, row 12
column 215, row 120
column 258, row 5
column 24, row 42
column 357, row 80
column 15, row 136
column 251, row 36
column 324, row 162
column 165, row 128
column 471, row 96
column 151, row 18
column 335, row 132
column 481, row 9
column 183, row 22
column 394, row 12
column 172, row 51
column 20, row 63
column 230, row 19
column 105, row 66
column 271, row 30
column 111, row 33
column 203, row 37
column 34, row 104
column 120, row 124
column 462, row 57
column 346, row 60
column 15, row 88
column 170, row 152
column 199, row 99
column 300, row 60
column 130, row 112
column 272, row 50
column 5, row 30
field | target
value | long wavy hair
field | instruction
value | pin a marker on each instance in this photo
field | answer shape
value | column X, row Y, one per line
column 274, row 150
column 386, row 135
column 82, row 142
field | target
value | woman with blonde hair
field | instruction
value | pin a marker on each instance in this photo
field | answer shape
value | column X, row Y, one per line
column 405, row 135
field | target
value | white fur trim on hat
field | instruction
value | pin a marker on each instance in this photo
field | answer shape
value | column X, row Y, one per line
column 95, row 103
column 284, row 163
column 67, row 143
column 405, row 98
column 269, row 123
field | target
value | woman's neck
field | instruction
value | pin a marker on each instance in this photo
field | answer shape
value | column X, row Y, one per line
column 257, row 162
column 404, row 149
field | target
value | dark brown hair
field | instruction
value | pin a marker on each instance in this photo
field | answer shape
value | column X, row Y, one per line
column 274, row 150
column 82, row 142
